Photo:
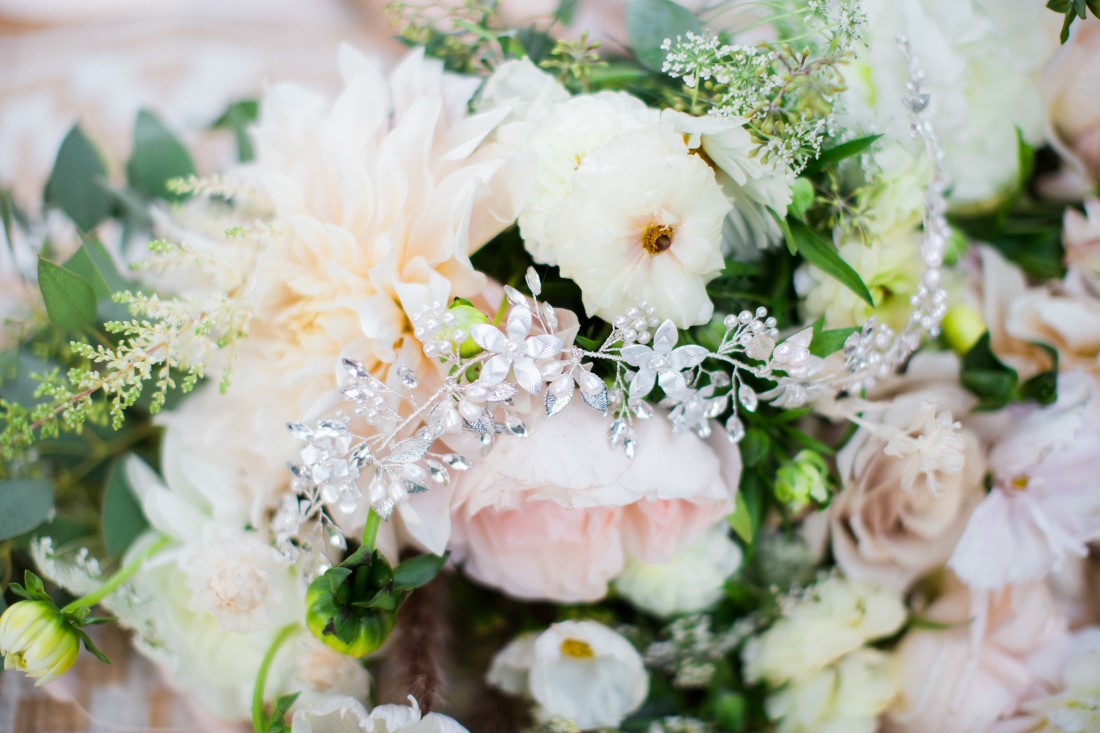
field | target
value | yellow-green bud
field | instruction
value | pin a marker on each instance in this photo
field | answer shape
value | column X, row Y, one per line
column 364, row 629
column 465, row 318
column 36, row 639
column 962, row 327
column 801, row 479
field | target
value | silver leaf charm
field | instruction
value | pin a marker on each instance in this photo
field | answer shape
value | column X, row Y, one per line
column 630, row 448
column 438, row 472
column 516, row 426
column 746, row 395
column 534, row 284
column 501, row 392
column 555, row 404
column 483, row 425
column 598, row 401
column 615, row 432
column 735, row 428
column 414, row 488
column 408, row 451
column 355, row 368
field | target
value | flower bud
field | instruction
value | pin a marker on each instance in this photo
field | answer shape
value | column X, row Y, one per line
column 466, row 317
column 37, row 639
column 801, row 479
column 962, row 327
column 347, row 629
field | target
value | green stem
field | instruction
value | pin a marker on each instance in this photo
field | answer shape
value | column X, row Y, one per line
column 370, row 532
column 120, row 577
column 261, row 676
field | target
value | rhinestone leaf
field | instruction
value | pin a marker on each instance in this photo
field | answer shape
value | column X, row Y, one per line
column 598, row 401
column 408, row 378
column 516, row 426
column 438, row 473
column 457, row 462
column 746, row 395
column 642, row 409
column 514, row 296
column 735, row 428
column 414, row 488
column 487, row 443
column 483, row 425
column 615, row 432
column 555, row 404
column 361, row 455
column 299, row 431
column 630, row 448
column 409, row 450
column 355, row 368
column 384, row 508
column 534, row 284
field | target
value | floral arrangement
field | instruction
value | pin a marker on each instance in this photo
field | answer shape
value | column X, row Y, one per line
column 822, row 274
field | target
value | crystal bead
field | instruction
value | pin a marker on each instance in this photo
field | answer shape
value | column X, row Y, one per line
column 438, row 473
column 735, row 428
column 457, row 462
column 515, row 426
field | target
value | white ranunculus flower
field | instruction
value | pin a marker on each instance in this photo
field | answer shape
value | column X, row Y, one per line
column 982, row 62
column 890, row 267
column 752, row 185
column 691, row 581
column 845, row 698
column 835, row 616
column 644, row 222
column 341, row 714
column 586, row 673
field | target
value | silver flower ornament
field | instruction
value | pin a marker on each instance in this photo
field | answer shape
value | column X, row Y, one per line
column 662, row 364
column 513, row 350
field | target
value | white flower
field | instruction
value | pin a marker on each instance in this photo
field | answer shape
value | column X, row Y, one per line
column 509, row 670
column 643, row 221
column 230, row 577
column 753, row 186
column 340, row 714
column 586, row 673
column 835, row 617
column 982, row 64
column 691, row 581
column 528, row 92
column 1076, row 707
column 845, row 698
column 890, row 268
column 37, row 640
column 661, row 363
column 514, row 351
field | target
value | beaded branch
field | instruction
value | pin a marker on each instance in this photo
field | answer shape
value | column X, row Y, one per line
column 381, row 444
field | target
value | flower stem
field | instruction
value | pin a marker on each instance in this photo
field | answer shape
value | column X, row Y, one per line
column 120, row 576
column 370, row 531
column 261, row 676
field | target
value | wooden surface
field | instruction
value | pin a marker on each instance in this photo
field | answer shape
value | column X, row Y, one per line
column 127, row 696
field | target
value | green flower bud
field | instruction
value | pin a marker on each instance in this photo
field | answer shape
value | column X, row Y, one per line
column 802, row 479
column 465, row 318
column 37, row 639
column 345, row 628
column 962, row 327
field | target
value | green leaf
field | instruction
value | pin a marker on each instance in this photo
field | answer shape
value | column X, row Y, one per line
column 78, row 182
column 93, row 262
column 740, row 521
column 158, row 157
column 830, row 341
column 832, row 156
column 984, row 375
column 824, row 257
column 755, row 447
column 565, row 12
column 123, row 519
column 24, row 504
column 1043, row 388
column 237, row 118
column 69, row 298
column 90, row 646
column 650, row 22
column 418, row 571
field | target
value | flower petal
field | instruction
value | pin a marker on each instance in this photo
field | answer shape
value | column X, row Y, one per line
column 636, row 355
column 495, row 370
column 642, row 384
column 544, row 347
column 672, row 381
column 488, row 337
column 687, row 356
column 528, row 375
column 519, row 323
column 665, row 338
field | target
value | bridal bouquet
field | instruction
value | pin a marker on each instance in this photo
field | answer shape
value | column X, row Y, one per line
column 734, row 369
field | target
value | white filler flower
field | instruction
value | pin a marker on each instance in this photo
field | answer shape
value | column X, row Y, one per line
column 588, row 674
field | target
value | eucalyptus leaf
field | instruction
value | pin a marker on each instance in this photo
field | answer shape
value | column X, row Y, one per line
column 69, row 298
column 77, row 183
column 158, row 157
column 93, row 262
column 24, row 504
column 650, row 22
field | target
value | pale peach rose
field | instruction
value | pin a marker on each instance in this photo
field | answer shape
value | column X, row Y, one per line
column 1069, row 86
column 1000, row 649
column 1081, row 235
column 556, row 515
column 882, row 530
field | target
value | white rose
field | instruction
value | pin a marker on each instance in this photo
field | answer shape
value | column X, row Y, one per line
column 834, row 617
column 588, row 674
column 690, row 581
column 845, row 698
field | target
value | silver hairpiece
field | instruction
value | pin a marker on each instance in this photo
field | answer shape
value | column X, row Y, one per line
column 381, row 443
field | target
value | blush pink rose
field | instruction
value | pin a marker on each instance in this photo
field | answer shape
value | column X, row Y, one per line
column 1069, row 89
column 556, row 515
column 1000, row 649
